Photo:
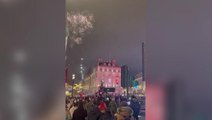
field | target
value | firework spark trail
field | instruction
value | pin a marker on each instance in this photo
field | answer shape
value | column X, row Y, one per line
column 78, row 25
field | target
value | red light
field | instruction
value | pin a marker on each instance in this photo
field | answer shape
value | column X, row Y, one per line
column 117, row 82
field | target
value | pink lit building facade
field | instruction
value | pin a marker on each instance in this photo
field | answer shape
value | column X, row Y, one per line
column 108, row 73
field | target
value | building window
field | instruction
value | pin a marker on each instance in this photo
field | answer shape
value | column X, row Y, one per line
column 117, row 81
column 109, row 80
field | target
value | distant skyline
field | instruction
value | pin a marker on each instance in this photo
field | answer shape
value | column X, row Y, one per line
column 118, row 33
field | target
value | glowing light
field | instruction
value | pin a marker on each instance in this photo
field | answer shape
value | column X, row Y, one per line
column 67, row 92
column 77, row 87
column 73, row 76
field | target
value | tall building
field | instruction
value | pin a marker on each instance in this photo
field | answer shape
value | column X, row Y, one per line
column 106, row 72
column 124, row 76
column 82, row 69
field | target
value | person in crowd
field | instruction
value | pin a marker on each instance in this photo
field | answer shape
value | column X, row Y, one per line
column 94, row 113
column 112, row 106
column 80, row 113
column 107, row 100
column 95, row 101
column 89, row 105
column 124, row 113
column 68, row 116
column 68, row 103
column 102, row 106
column 117, row 98
column 73, row 108
column 135, row 106
column 123, row 104
column 106, row 115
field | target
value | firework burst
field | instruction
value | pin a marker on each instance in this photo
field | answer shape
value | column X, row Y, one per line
column 78, row 25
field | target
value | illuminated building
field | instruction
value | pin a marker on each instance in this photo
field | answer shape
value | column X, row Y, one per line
column 142, row 84
column 88, row 84
column 138, row 77
column 107, row 72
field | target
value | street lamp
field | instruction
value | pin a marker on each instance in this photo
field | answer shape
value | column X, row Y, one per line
column 72, row 91
column 73, row 76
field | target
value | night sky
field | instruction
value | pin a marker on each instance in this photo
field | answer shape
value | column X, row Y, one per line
column 118, row 34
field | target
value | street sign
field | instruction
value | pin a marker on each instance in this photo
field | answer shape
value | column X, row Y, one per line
column 109, row 89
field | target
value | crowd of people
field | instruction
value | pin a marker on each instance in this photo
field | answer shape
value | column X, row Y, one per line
column 102, row 108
